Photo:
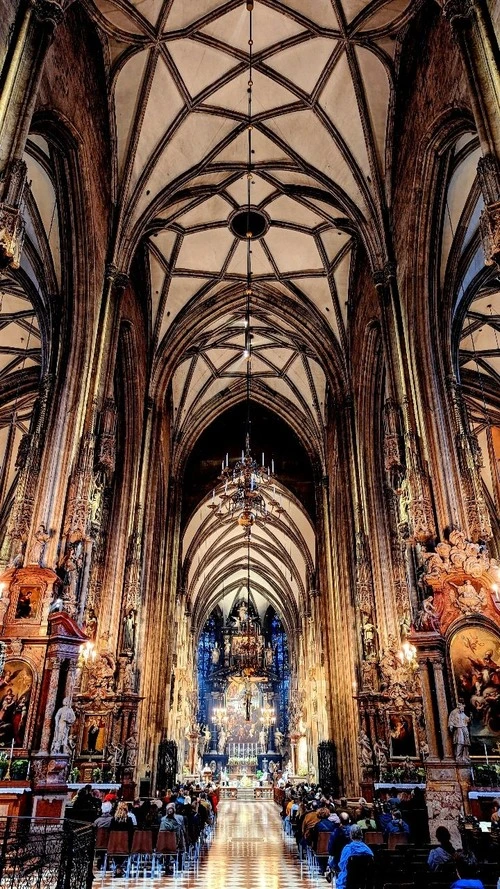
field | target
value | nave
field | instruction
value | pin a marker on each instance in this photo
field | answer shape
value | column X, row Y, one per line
column 248, row 851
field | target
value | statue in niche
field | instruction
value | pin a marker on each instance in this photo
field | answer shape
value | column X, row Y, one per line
column 71, row 566
column 458, row 724
column 129, row 622
column 368, row 630
column 90, row 625
column 215, row 654
column 131, row 747
column 36, row 555
column 243, row 614
column 57, row 603
column 279, row 740
column 381, row 752
column 64, row 719
column 427, row 618
column 221, row 746
column 365, row 750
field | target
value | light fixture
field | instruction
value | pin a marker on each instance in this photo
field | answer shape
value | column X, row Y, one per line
column 407, row 654
column 87, row 654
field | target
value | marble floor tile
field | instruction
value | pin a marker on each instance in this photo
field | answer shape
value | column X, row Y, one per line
column 248, row 851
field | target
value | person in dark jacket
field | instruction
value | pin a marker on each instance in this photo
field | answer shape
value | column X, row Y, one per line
column 339, row 838
column 397, row 825
column 467, row 873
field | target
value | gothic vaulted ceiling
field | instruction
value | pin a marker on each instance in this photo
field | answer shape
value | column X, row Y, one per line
column 324, row 77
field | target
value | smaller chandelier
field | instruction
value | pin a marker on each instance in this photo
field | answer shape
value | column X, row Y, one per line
column 242, row 497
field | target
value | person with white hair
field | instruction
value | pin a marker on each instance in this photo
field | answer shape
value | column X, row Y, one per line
column 355, row 847
column 105, row 818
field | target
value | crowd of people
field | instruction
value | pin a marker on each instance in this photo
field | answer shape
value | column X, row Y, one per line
column 186, row 810
column 308, row 813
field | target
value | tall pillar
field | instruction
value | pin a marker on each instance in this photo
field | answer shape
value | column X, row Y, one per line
column 475, row 37
column 430, row 725
column 437, row 661
column 32, row 35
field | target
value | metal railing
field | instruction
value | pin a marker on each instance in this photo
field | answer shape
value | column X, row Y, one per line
column 45, row 853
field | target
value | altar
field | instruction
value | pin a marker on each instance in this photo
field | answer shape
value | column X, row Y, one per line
column 247, row 792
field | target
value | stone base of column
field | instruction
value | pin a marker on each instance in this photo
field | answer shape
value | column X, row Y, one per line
column 50, row 787
column 446, row 795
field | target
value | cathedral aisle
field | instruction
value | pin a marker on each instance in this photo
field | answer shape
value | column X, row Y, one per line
column 248, row 852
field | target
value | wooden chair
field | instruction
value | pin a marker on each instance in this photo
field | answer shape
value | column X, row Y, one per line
column 360, row 872
column 167, row 847
column 118, row 846
column 397, row 839
column 101, row 844
column 141, row 852
column 374, row 838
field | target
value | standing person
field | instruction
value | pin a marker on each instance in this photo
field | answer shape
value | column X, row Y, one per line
column 356, row 846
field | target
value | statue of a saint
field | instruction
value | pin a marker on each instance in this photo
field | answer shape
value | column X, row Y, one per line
column 381, row 752
column 243, row 613
column 427, row 617
column 279, row 739
column 131, row 747
column 262, row 738
column 129, row 630
column 458, row 724
column 37, row 550
column 64, row 719
column 221, row 746
column 215, row 654
column 91, row 625
column 365, row 750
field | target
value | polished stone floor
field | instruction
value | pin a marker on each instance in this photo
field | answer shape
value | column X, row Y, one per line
column 248, row 851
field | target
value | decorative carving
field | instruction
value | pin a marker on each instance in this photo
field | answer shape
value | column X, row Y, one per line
column 458, row 555
column 101, row 674
column 467, row 599
column 11, row 236
column 490, row 233
column 457, row 11
column 70, row 571
column 393, row 445
column 36, row 554
column 131, row 747
column 106, row 445
column 458, row 723
column 49, row 12
column 64, row 719
column 365, row 750
column 76, row 527
column 133, row 569
column 427, row 619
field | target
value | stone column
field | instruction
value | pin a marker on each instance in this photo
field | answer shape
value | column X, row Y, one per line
column 437, row 661
column 50, row 704
column 430, row 726
column 32, row 37
column 294, row 740
column 475, row 37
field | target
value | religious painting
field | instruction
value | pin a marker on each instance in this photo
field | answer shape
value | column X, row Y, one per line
column 402, row 739
column 16, row 684
column 475, row 659
column 93, row 738
column 27, row 603
column 239, row 730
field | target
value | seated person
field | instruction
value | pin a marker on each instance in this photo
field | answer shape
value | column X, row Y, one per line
column 385, row 818
column 442, row 859
column 105, row 818
column 495, row 815
column 397, row 825
column 356, row 846
column 466, row 872
column 338, row 839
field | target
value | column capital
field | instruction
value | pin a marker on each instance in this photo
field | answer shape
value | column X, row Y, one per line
column 49, row 12
column 117, row 279
column 458, row 11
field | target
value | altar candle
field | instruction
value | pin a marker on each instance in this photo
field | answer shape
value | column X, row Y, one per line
column 11, row 750
column 486, row 753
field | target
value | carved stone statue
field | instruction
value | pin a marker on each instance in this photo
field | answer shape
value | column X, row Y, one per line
column 91, row 625
column 128, row 679
column 458, row 724
column 129, row 630
column 221, row 746
column 64, row 719
column 262, row 738
column 37, row 550
column 279, row 739
column 101, row 673
column 381, row 752
column 365, row 750
column 131, row 747
column 57, row 603
column 427, row 617
column 215, row 654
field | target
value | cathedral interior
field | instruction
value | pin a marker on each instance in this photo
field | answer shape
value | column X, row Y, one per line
column 249, row 394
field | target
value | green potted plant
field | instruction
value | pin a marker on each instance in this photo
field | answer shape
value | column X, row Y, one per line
column 74, row 775
column 19, row 769
column 96, row 776
column 4, row 763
